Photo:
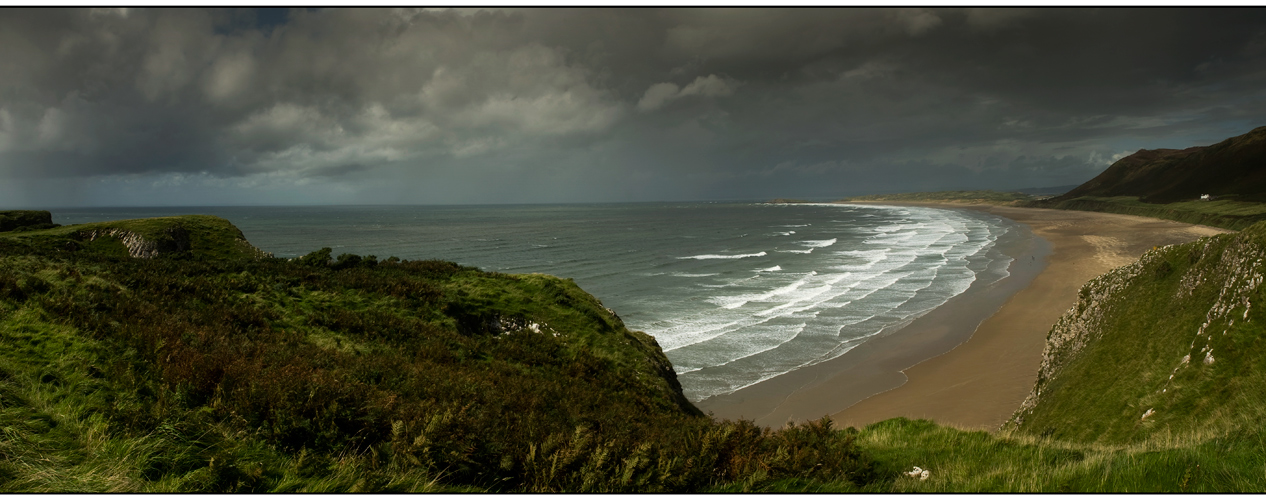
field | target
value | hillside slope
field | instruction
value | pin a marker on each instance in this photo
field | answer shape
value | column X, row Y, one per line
column 1170, row 345
column 1236, row 166
column 1152, row 382
column 200, row 364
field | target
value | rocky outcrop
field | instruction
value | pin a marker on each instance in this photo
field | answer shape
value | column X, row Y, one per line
column 175, row 239
column 1079, row 326
column 1231, row 264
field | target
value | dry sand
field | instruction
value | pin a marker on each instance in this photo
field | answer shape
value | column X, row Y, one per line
column 970, row 362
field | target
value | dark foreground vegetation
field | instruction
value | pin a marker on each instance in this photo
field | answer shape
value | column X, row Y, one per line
column 235, row 372
column 210, row 366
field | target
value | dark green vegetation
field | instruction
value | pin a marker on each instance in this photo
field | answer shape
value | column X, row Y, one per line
column 212, row 367
column 184, row 237
column 981, row 197
column 1226, row 212
column 25, row 220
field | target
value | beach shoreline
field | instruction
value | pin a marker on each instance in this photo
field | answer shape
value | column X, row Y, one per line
column 970, row 362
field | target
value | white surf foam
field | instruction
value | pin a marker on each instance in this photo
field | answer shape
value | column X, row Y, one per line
column 819, row 243
column 715, row 256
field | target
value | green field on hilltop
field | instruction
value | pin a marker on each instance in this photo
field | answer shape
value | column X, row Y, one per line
column 1227, row 213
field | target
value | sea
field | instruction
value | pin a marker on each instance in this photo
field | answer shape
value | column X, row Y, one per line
column 735, row 293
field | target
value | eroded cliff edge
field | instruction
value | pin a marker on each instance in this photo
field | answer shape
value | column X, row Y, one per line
column 1169, row 343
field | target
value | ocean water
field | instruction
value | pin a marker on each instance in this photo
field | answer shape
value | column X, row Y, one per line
column 735, row 293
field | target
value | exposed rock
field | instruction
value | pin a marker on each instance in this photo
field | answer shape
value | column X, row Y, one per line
column 176, row 240
column 1231, row 264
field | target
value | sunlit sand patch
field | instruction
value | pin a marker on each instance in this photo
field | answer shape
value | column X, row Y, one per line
column 1109, row 250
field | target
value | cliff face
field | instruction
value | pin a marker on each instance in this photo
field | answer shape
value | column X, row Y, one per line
column 1171, row 342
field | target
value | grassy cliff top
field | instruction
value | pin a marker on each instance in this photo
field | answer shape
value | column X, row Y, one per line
column 191, row 236
column 25, row 219
column 198, row 370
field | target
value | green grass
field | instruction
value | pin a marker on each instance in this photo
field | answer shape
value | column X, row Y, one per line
column 215, row 369
column 1227, row 212
column 183, row 373
column 1010, row 461
column 25, row 220
column 1177, row 303
column 208, row 237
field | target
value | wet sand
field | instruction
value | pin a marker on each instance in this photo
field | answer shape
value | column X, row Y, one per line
column 970, row 362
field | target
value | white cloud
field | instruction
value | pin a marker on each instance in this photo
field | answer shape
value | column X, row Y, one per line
column 988, row 19
column 918, row 21
column 661, row 93
column 657, row 95
column 229, row 75
column 304, row 140
column 529, row 91
column 109, row 11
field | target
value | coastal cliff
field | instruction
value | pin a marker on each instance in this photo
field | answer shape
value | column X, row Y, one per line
column 25, row 220
column 207, row 366
column 1170, row 343
column 169, row 355
column 191, row 236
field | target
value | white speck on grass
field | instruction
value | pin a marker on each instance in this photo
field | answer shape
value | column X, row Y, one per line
column 919, row 473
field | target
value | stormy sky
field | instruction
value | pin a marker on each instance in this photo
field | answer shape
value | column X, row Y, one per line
column 403, row 106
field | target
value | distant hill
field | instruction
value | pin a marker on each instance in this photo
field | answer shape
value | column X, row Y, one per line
column 1235, row 167
column 969, row 197
column 1055, row 190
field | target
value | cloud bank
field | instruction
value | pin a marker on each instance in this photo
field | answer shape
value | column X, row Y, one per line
column 184, row 106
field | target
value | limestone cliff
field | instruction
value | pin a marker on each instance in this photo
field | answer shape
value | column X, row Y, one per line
column 1171, row 342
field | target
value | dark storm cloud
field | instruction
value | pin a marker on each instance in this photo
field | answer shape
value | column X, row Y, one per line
column 404, row 105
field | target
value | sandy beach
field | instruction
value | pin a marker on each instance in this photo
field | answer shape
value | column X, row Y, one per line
column 970, row 362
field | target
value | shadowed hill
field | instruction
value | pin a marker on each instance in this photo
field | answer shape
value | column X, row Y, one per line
column 1236, row 166
column 25, row 220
